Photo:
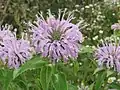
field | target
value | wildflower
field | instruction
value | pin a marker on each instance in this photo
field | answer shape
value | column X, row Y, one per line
column 5, row 33
column 99, row 12
column 87, row 46
column 77, row 6
column 87, row 7
column 95, row 38
column 91, row 5
column 17, row 52
column 101, row 32
column 83, row 87
column 115, row 26
column 111, row 79
column 56, row 38
column 113, row 14
column 82, row 9
column 13, row 52
column 118, row 80
column 109, row 55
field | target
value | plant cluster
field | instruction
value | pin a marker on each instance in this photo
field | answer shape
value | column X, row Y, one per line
column 59, row 45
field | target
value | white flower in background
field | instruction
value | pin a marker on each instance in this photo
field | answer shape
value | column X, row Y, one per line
column 113, row 14
column 82, row 9
column 101, row 32
column 93, row 47
column 99, row 12
column 80, row 63
column 77, row 6
column 83, row 87
column 91, row 5
column 112, row 1
column 87, row 46
column 118, row 80
column 95, row 38
column 87, row 6
column 111, row 79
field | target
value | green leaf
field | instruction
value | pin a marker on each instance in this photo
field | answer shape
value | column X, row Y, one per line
column 117, row 33
column 76, row 68
column 72, row 87
column 17, row 17
column 7, row 79
column 45, row 76
column 100, row 79
column 59, row 82
column 98, row 70
column 114, row 86
column 91, row 86
column 85, row 49
column 2, row 72
column 109, row 72
column 34, row 63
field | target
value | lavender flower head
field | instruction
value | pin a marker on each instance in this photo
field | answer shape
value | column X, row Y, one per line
column 56, row 38
column 109, row 55
column 5, row 33
column 115, row 26
column 18, row 51
column 13, row 52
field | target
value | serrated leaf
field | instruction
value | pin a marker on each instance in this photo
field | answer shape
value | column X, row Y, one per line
column 34, row 63
column 59, row 82
column 45, row 76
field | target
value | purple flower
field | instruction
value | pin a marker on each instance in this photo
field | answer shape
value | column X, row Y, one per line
column 5, row 33
column 3, row 54
column 115, row 26
column 56, row 38
column 17, row 52
column 109, row 55
column 13, row 52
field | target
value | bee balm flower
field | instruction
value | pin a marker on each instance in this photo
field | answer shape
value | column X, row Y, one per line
column 56, row 38
column 18, row 51
column 115, row 26
column 109, row 55
column 5, row 33
column 13, row 52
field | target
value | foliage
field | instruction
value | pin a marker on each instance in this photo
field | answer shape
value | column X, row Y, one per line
column 38, row 73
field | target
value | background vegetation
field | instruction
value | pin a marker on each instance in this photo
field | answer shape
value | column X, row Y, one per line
column 96, row 18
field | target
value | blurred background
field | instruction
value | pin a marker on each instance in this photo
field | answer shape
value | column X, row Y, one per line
column 96, row 16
